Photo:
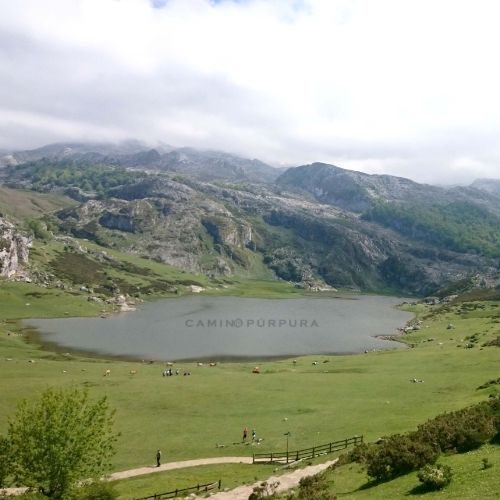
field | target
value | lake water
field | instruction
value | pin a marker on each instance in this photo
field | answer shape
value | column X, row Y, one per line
column 231, row 327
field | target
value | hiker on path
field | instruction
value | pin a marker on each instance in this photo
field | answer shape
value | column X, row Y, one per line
column 158, row 458
column 245, row 434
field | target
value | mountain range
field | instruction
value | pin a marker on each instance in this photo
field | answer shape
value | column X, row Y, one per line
column 216, row 213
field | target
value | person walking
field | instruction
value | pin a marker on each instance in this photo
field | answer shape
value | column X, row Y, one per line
column 158, row 458
column 245, row 434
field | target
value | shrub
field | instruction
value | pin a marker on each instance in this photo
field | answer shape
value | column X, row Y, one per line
column 460, row 431
column 398, row 455
column 435, row 477
column 314, row 488
column 495, row 408
column 358, row 454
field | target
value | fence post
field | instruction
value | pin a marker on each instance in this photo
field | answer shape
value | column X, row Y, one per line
column 271, row 457
column 314, row 451
column 330, row 448
column 286, row 456
column 220, row 484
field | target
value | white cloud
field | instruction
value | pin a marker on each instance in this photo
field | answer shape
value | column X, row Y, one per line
column 404, row 87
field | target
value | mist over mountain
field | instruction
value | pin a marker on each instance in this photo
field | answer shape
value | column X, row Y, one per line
column 220, row 214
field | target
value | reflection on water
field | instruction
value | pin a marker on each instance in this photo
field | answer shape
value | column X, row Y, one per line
column 233, row 327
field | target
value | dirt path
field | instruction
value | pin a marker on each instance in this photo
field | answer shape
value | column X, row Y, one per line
column 286, row 481
column 178, row 465
column 141, row 471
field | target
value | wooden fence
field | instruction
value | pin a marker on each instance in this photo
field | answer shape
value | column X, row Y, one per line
column 291, row 456
column 175, row 493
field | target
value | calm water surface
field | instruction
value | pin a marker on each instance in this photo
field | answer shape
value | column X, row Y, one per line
column 232, row 327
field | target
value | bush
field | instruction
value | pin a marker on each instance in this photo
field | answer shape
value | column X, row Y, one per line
column 495, row 408
column 314, row 488
column 460, row 431
column 358, row 454
column 435, row 477
column 398, row 455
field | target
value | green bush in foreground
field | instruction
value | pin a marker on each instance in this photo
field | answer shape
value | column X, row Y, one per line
column 59, row 440
column 435, row 477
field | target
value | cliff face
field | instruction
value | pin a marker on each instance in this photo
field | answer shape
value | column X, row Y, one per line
column 14, row 250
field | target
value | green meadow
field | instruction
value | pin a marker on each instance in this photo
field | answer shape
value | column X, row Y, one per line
column 471, row 480
column 203, row 414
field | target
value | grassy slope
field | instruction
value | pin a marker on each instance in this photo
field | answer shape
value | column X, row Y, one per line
column 470, row 481
column 369, row 394
column 19, row 205
column 152, row 278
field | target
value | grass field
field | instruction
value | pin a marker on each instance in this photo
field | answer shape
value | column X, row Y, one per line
column 471, row 481
column 370, row 394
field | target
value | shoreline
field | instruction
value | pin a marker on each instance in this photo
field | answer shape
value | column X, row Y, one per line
column 32, row 335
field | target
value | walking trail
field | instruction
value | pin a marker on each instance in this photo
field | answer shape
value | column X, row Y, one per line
column 286, row 481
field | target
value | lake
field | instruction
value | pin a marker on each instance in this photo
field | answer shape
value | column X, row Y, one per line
column 231, row 328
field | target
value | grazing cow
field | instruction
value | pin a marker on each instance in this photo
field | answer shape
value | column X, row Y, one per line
column 107, row 373
column 133, row 372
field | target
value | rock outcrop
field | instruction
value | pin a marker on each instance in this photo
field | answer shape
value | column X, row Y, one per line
column 314, row 225
column 14, row 250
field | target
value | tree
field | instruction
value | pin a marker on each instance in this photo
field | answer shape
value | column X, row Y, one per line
column 39, row 229
column 59, row 440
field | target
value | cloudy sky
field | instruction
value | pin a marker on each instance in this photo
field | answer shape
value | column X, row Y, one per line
column 405, row 87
